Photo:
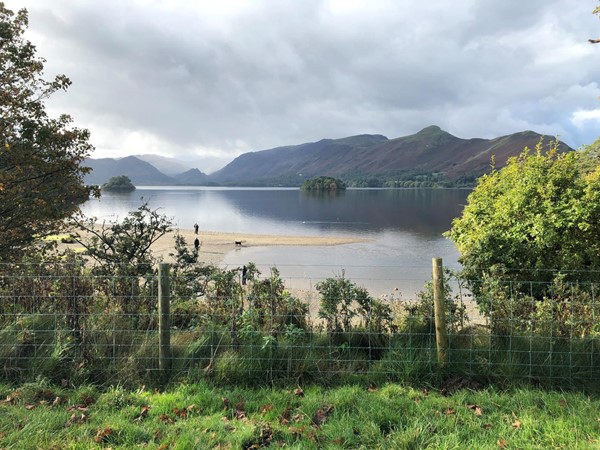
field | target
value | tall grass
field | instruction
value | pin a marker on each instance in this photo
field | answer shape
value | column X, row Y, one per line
column 41, row 346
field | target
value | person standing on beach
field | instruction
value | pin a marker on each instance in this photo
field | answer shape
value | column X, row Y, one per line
column 196, row 244
column 196, row 228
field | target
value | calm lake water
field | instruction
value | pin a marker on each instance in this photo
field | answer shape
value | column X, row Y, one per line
column 404, row 228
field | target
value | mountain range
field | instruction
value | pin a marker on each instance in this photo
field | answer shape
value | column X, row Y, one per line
column 432, row 156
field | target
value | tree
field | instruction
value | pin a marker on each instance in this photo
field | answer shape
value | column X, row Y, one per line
column 535, row 219
column 121, row 183
column 41, row 179
column 122, row 251
column 323, row 184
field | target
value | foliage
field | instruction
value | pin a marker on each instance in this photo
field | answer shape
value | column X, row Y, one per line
column 566, row 310
column 538, row 216
column 122, row 251
column 62, row 322
column 121, row 183
column 342, row 300
column 337, row 296
column 409, row 178
column 41, row 179
column 421, row 313
column 190, row 278
column 323, row 184
column 272, row 308
column 570, row 311
column 376, row 314
column 224, row 300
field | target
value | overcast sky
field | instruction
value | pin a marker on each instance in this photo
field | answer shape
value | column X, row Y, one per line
column 213, row 79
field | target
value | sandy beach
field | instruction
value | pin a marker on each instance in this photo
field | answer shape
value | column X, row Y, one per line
column 214, row 245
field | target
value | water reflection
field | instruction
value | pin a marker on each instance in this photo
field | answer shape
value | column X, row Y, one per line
column 405, row 227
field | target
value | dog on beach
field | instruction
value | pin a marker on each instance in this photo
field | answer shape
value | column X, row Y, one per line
column 238, row 243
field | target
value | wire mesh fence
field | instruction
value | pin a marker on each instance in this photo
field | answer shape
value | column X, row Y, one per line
column 68, row 324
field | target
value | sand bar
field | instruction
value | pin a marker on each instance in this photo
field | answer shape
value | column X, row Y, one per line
column 214, row 244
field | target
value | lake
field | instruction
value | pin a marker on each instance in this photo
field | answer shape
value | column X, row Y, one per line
column 403, row 226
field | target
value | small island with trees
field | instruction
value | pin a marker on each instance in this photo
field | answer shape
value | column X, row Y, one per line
column 323, row 184
column 121, row 183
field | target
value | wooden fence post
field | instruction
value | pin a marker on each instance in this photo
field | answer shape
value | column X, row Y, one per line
column 164, row 322
column 439, row 308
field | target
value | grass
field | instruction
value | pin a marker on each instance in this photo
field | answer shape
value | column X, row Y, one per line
column 204, row 415
column 40, row 346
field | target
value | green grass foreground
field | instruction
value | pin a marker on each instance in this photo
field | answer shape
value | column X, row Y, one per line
column 205, row 416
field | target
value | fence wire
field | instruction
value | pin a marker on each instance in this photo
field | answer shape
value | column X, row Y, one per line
column 71, row 326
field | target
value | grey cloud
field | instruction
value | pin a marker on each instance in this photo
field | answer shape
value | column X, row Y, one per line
column 278, row 73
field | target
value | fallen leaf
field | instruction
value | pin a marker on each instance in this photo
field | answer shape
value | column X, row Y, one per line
column 143, row 413
column 265, row 437
column 321, row 415
column 516, row 424
column 501, row 443
column 476, row 409
column 225, row 402
column 296, row 430
column 29, row 406
column 181, row 413
column 285, row 416
column 372, row 388
column 76, row 419
column 425, row 392
column 299, row 417
column 486, row 426
column 266, row 408
column 449, row 411
column 166, row 419
column 57, row 401
column 298, row 392
column 102, row 435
